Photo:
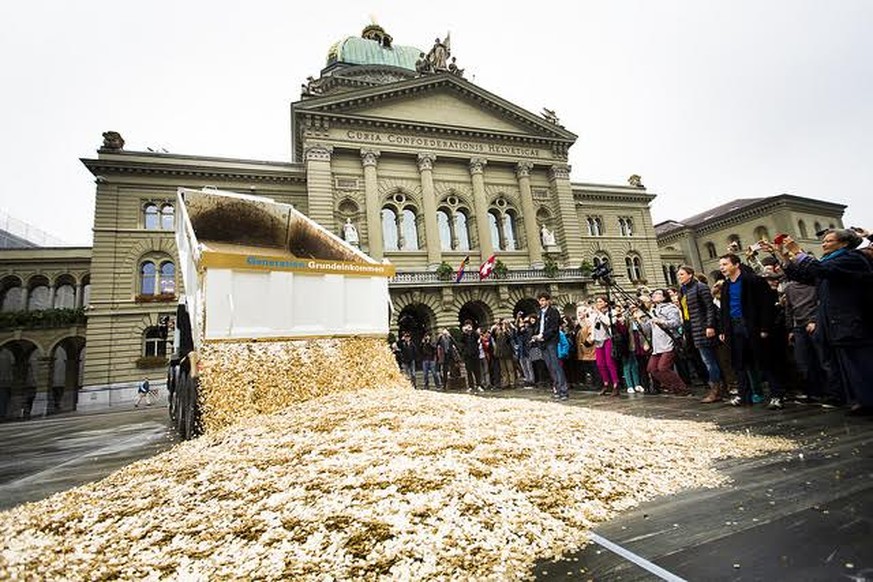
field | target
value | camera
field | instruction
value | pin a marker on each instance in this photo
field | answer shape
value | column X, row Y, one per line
column 602, row 273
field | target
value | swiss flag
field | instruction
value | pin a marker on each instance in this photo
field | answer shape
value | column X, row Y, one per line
column 487, row 267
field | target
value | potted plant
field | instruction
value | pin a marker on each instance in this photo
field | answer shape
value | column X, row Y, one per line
column 500, row 270
column 550, row 267
column 444, row 271
column 586, row 268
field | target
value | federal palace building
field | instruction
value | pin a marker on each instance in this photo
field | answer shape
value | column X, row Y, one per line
column 395, row 150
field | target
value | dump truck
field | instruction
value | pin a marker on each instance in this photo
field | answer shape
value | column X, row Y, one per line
column 256, row 270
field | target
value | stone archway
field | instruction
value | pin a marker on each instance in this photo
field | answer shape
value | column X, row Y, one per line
column 477, row 312
column 19, row 360
column 64, row 379
column 527, row 306
column 417, row 319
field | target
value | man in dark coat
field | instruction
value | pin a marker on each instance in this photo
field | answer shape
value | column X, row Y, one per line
column 546, row 335
column 843, row 277
column 747, row 317
column 698, row 309
column 408, row 355
column 470, row 353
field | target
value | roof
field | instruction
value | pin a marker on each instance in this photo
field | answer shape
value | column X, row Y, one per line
column 732, row 207
column 354, row 50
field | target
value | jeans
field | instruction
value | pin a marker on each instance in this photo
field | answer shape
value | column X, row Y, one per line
column 556, row 371
column 474, row 373
column 606, row 364
column 409, row 370
column 631, row 370
column 527, row 369
column 660, row 367
column 707, row 354
column 429, row 367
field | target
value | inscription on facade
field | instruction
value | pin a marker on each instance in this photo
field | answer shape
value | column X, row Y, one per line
column 455, row 145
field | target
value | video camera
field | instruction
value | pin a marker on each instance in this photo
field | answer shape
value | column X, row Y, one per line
column 602, row 273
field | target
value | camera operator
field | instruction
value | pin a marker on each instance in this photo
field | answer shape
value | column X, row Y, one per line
column 547, row 337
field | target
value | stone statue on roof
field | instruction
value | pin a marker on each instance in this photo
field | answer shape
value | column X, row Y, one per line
column 112, row 140
column 453, row 68
column 636, row 181
column 439, row 55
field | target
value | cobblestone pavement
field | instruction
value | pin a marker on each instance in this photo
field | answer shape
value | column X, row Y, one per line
column 43, row 456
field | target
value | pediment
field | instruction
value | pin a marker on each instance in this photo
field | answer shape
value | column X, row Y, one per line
column 444, row 101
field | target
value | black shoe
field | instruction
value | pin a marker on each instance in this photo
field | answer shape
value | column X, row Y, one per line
column 859, row 410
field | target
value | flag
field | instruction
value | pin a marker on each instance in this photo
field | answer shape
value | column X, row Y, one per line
column 487, row 267
column 460, row 274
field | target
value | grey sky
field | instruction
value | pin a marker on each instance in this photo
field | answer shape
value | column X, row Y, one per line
column 707, row 101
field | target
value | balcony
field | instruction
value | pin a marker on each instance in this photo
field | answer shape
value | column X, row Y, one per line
column 42, row 319
column 471, row 277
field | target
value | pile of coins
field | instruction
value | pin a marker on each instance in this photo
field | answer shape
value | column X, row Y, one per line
column 239, row 380
column 371, row 484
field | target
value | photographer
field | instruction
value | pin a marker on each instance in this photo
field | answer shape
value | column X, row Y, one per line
column 602, row 337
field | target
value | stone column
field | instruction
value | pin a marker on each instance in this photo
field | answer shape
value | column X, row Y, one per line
column 77, row 303
column 477, row 169
column 375, row 246
column 428, row 196
column 570, row 235
column 319, row 188
column 51, row 297
column 25, row 296
column 534, row 246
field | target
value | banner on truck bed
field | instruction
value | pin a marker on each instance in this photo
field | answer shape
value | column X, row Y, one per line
column 286, row 263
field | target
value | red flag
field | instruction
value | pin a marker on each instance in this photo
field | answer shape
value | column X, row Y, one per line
column 460, row 274
column 487, row 267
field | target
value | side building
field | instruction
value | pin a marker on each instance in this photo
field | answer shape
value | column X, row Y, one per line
column 701, row 239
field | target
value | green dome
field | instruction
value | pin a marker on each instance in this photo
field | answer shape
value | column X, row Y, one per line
column 354, row 50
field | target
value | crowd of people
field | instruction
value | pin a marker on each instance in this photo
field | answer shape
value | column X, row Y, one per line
column 801, row 325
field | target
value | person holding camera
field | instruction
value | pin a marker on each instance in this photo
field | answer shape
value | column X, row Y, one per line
column 701, row 317
column 547, row 337
column 602, row 336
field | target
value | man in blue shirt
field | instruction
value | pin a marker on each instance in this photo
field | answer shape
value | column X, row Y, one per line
column 748, row 313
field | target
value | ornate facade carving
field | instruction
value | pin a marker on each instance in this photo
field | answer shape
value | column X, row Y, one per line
column 318, row 153
column 112, row 140
column 370, row 157
column 477, row 165
column 523, row 169
column 559, row 172
column 426, row 160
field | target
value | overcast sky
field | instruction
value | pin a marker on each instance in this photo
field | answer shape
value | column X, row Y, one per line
column 707, row 101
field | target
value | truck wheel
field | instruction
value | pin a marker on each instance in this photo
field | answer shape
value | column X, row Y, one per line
column 192, row 418
column 181, row 404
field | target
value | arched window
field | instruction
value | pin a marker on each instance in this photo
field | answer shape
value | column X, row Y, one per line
column 494, row 229
column 445, row 229
column 39, row 298
column 601, row 259
column 710, row 250
column 389, row 230
column 147, row 278
column 167, row 283
column 410, row 231
column 761, row 233
column 509, row 232
column 666, row 274
column 154, row 344
column 625, row 226
column 13, row 299
column 167, row 217
column 462, row 233
column 817, row 227
column 801, row 226
column 598, row 226
column 65, row 297
column 150, row 216
column 674, row 275
column 590, row 222
column 735, row 238
column 634, row 267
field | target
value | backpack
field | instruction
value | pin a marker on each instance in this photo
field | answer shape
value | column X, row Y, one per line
column 563, row 346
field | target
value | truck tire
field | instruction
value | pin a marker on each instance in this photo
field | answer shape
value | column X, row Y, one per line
column 181, row 397
column 192, row 419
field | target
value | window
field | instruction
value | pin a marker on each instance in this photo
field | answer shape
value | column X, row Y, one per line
column 625, row 226
column 445, row 230
column 410, row 231
column 167, row 283
column 734, row 240
column 817, row 227
column 595, row 226
column 167, row 217
column 154, row 344
column 150, row 216
column 509, row 232
column 673, row 279
column 462, row 234
column 39, row 298
column 634, row 267
column 13, row 299
column 147, row 278
column 65, row 297
column 601, row 259
column 389, row 230
column 710, row 250
column 801, row 226
column 761, row 233
column 494, row 229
